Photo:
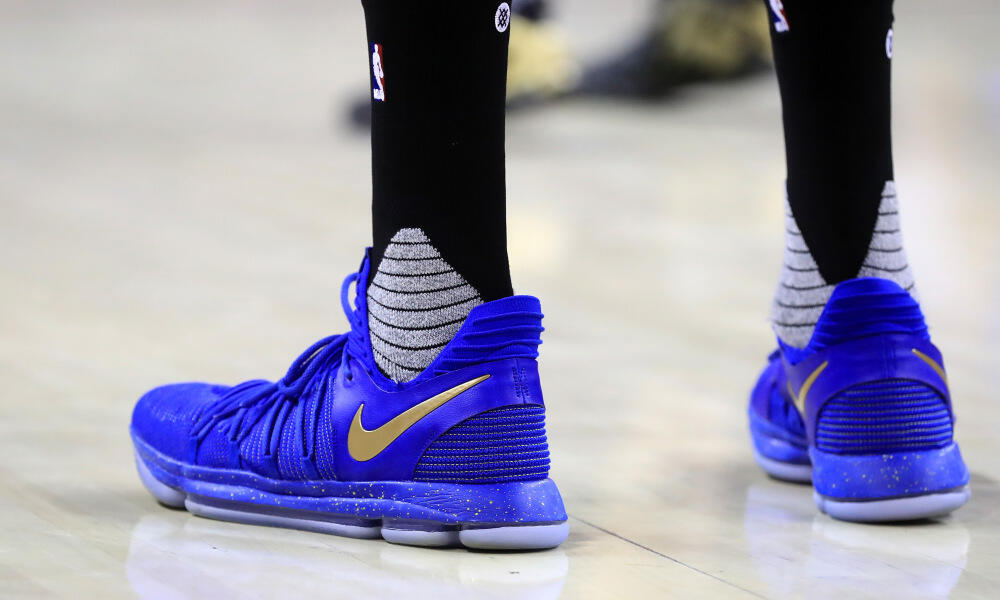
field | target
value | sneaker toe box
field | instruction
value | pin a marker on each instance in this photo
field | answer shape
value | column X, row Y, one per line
column 164, row 416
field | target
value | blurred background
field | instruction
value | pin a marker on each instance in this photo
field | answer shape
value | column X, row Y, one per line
column 184, row 184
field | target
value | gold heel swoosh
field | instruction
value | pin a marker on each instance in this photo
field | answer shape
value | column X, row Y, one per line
column 800, row 398
column 934, row 365
column 364, row 444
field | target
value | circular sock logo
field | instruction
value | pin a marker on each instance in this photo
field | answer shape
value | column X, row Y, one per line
column 502, row 18
column 888, row 44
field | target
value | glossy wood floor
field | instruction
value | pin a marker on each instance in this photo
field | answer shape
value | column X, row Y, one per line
column 180, row 199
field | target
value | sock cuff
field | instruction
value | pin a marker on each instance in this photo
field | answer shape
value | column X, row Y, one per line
column 802, row 291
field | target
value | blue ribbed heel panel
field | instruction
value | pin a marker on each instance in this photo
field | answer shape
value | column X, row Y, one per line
column 882, row 417
column 510, row 327
column 504, row 444
column 860, row 308
column 867, row 306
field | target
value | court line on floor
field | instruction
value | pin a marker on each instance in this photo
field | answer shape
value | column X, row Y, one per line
column 668, row 557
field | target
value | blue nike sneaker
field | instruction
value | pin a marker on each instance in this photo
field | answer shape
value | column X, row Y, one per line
column 863, row 411
column 457, row 455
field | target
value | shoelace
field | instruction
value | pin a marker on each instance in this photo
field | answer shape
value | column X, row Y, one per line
column 245, row 404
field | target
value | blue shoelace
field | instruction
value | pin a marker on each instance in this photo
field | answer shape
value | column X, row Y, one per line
column 244, row 405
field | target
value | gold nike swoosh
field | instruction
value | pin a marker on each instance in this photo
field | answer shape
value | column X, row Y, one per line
column 934, row 365
column 800, row 398
column 364, row 444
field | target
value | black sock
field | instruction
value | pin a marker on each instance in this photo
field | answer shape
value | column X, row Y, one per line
column 832, row 61
column 438, row 132
column 439, row 198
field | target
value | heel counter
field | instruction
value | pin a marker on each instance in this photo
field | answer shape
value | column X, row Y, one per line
column 885, row 390
column 507, row 443
column 883, row 417
column 499, row 445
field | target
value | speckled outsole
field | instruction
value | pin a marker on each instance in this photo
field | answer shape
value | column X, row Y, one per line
column 214, row 500
column 909, row 508
column 927, row 506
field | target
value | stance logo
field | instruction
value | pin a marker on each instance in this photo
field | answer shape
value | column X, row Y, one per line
column 778, row 16
column 378, row 75
column 502, row 18
column 365, row 444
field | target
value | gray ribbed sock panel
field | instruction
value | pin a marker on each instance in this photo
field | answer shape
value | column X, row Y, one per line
column 802, row 292
column 416, row 304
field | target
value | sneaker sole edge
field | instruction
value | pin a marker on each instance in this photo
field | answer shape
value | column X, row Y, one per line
column 794, row 473
column 514, row 537
column 912, row 508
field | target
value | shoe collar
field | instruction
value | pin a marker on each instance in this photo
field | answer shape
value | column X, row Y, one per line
column 505, row 328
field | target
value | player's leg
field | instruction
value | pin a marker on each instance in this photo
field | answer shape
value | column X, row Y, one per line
column 855, row 399
column 425, row 423
column 438, row 207
column 833, row 72
column 540, row 64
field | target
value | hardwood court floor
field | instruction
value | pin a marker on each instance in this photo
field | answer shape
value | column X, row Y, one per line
column 180, row 199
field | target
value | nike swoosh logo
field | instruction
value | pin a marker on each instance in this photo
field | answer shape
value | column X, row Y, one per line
column 934, row 365
column 364, row 444
column 800, row 398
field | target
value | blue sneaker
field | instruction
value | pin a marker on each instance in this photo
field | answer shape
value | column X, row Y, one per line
column 864, row 411
column 456, row 456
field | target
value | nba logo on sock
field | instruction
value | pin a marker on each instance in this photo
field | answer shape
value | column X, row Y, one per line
column 378, row 74
column 778, row 16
